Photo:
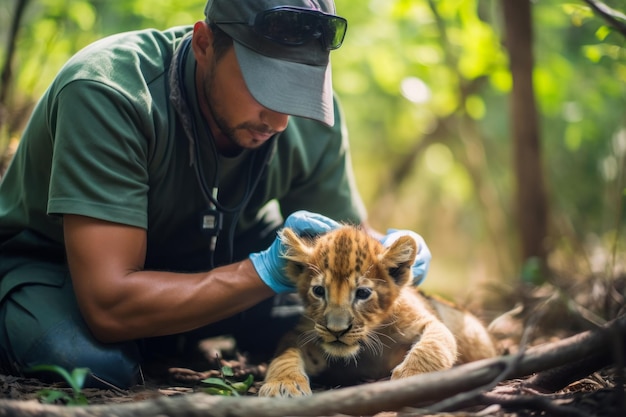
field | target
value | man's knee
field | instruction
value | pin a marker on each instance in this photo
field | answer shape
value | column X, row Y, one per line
column 68, row 346
column 42, row 325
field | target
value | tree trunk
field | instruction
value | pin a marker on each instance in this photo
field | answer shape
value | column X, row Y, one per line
column 531, row 204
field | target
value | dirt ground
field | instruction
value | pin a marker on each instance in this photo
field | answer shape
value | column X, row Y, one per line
column 174, row 377
column 599, row 393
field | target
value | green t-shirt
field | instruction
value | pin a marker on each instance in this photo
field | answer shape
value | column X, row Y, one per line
column 105, row 141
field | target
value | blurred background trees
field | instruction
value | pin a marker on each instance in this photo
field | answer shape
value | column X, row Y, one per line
column 495, row 128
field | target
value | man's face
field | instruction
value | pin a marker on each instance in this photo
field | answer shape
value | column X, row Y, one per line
column 236, row 118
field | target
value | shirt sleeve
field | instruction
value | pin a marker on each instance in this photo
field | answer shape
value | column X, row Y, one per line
column 99, row 164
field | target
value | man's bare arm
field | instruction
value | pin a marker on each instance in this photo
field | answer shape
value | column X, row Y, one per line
column 121, row 301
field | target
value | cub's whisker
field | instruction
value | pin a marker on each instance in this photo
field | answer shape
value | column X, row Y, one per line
column 307, row 337
column 378, row 334
column 306, row 316
column 373, row 343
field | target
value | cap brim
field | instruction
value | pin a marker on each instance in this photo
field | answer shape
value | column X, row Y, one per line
column 288, row 87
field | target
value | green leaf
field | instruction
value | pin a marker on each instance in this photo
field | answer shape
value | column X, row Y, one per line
column 220, row 384
column 52, row 368
column 218, row 391
column 78, row 377
column 243, row 386
column 227, row 371
column 216, row 382
column 50, row 396
column 79, row 399
column 75, row 380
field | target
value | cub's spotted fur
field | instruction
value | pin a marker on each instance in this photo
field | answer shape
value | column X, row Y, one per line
column 363, row 318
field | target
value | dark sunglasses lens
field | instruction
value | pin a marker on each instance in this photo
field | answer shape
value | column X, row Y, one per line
column 335, row 30
column 291, row 27
column 281, row 26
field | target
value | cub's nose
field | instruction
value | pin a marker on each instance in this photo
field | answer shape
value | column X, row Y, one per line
column 338, row 320
column 338, row 331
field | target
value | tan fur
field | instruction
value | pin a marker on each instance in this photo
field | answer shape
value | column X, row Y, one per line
column 363, row 318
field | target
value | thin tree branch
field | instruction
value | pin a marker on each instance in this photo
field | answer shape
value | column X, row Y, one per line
column 613, row 17
column 7, row 73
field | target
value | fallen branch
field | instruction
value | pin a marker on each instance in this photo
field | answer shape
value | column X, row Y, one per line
column 534, row 402
column 554, row 379
column 361, row 400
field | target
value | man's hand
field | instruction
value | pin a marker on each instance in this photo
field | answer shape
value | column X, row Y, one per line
column 270, row 264
column 422, row 260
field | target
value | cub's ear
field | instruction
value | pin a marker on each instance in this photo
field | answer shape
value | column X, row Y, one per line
column 398, row 259
column 296, row 250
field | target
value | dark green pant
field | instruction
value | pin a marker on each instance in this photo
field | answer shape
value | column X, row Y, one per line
column 41, row 323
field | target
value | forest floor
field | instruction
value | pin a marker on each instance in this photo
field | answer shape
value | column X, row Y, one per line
column 599, row 392
column 596, row 394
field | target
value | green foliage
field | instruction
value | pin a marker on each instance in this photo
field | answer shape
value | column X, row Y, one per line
column 225, row 386
column 453, row 47
column 430, row 76
column 75, row 379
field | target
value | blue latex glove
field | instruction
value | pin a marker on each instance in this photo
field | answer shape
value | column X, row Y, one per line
column 422, row 260
column 270, row 265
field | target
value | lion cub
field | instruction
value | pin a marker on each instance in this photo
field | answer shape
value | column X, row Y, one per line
column 363, row 318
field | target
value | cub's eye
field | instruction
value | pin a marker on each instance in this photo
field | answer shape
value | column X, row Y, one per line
column 363, row 293
column 318, row 291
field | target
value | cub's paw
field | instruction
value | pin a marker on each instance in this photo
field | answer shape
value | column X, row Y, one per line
column 415, row 366
column 296, row 387
column 402, row 371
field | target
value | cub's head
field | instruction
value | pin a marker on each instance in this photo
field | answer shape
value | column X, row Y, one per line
column 348, row 282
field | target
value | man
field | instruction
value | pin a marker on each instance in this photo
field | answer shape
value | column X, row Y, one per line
column 154, row 174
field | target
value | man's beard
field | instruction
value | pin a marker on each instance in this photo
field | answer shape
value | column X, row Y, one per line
column 229, row 132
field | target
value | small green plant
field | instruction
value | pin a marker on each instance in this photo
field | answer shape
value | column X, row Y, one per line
column 532, row 272
column 75, row 379
column 223, row 386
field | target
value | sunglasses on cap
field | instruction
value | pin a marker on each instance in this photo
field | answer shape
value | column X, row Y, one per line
column 294, row 26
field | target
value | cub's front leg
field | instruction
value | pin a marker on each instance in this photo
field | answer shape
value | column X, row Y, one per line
column 435, row 350
column 286, row 376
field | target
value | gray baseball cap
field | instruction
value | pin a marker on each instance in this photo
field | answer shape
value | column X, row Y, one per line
column 288, row 78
